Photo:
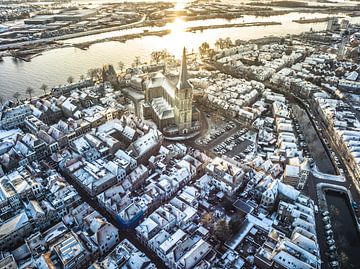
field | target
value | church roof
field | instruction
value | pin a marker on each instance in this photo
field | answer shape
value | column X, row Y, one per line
column 162, row 108
column 159, row 80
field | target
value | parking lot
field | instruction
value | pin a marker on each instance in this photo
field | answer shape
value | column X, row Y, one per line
column 218, row 131
column 236, row 146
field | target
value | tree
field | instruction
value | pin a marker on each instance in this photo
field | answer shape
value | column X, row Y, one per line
column 156, row 56
column 206, row 219
column 162, row 56
column 204, row 48
column 29, row 91
column 219, row 44
column 224, row 43
column 95, row 73
column 344, row 259
column 170, row 60
column 211, row 54
column 16, row 95
column 222, row 230
column 121, row 66
column 228, row 43
column 44, row 88
column 235, row 221
column 70, row 79
column 2, row 99
column 82, row 77
column 137, row 61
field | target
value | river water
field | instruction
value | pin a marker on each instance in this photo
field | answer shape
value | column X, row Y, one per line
column 54, row 66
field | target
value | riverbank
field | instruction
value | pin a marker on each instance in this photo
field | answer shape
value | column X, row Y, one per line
column 141, row 23
column 315, row 20
column 55, row 65
column 24, row 50
column 21, row 45
column 85, row 45
column 238, row 25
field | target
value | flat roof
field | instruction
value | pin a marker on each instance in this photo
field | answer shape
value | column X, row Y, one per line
column 243, row 206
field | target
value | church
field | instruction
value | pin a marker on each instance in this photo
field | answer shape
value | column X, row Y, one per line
column 170, row 106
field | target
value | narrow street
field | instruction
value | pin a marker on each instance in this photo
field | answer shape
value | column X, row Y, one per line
column 123, row 234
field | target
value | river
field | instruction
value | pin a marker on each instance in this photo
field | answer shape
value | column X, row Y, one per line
column 54, row 66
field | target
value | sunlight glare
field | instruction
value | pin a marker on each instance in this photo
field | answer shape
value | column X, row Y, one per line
column 180, row 4
column 177, row 27
column 178, row 36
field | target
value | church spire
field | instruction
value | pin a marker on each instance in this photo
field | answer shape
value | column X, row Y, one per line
column 183, row 80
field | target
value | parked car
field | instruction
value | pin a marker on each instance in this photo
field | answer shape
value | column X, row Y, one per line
column 328, row 226
column 325, row 213
column 334, row 264
column 329, row 232
column 316, row 209
column 329, row 238
column 330, row 242
column 332, row 256
column 332, row 248
column 326, row 219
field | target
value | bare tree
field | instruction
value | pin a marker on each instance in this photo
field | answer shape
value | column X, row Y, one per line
column 82, row 77
column 95, row 73
column 70, row 79
column 121, row 66
column 163, row 56
column 235, row 222
column 204, row 48
column 44, row 88
column 137, row 61
column 222, row 230
column 219, row 43
column 211, row 54
column 156, row 56
column 29, row 91
column 228, row 42
column 16, row 95
column 206, row 219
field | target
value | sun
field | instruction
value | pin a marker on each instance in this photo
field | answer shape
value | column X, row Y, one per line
column 177, row 27
column 178, row 36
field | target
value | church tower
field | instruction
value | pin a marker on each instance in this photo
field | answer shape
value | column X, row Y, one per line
column 183, row 99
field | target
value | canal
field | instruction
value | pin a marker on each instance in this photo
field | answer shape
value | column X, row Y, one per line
column 346, row 235
column 316, row 148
